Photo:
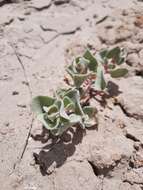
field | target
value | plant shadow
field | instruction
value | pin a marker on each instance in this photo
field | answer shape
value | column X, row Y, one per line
column 112, row 91
column 56, row 150
column 54, row 154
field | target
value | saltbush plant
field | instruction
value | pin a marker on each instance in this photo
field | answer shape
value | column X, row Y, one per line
column 71, row 107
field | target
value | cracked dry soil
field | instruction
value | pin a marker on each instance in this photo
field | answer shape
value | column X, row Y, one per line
column 38, row 38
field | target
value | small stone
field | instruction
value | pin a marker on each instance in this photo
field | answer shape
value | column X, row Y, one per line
column 137, row 145
column 132, row 59
column 125, row 13
column 40, row 5
column 21, row 17
column 6, row 20
column 15, row 93
column 4, row 131
column 60, row 2
column 32, row 163
column 139, row 37
column 6, row 123
column 27, row 12
column 26, row 83
column 95, row 16
column 21, row 105
column 139, row 21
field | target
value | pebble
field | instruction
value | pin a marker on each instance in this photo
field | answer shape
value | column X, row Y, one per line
column 15, row 93
column 6, row 123
column 132, row 59
column 60, row 2
column 21, row 105
column 40, row 4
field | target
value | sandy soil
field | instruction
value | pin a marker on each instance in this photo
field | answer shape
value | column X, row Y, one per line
column 38, row 38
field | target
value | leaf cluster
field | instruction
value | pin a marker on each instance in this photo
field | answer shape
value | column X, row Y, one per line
column 71, row 107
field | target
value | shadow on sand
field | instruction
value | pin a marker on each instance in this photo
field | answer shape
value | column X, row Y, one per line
column 56, row 150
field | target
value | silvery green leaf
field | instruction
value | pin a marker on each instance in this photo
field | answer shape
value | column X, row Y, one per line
column 75, row 119
column 40, row 101
column 52, row 112
column 114, row 53
column 75, row 97
column 68, row 103
column 83, row 61
column 79, row 79
column 53, row 116
column 90, row 123
column 100, row 83
column 70, row 70
column 54, row 132
column 90, row 111
column 121, row 60
column 70, row 107
column 45, row 108
column 82, row 125
column 120, row 72
column 103, row 53
column 89, row 120
column 60, row 93
column 73, row 94
column 77, row 59
column 63, row 114
column 82, row 65
column 47, row 123
column 51, row 109
column 111, row 66
column 92, row 60
column 60, row 130
column 117, row 54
